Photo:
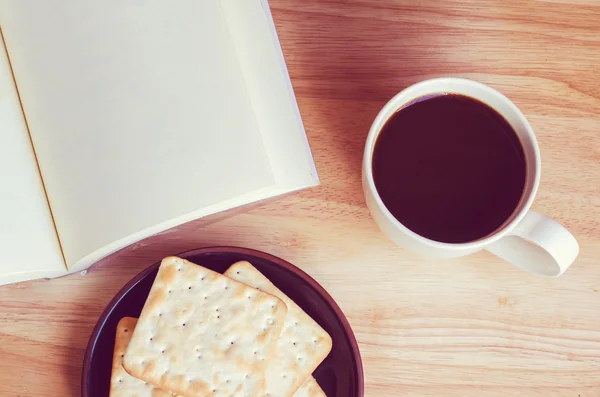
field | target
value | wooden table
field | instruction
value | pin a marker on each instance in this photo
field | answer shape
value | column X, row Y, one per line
column 468, row 327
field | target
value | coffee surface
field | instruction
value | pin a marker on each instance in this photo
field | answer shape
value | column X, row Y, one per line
column 450, row 168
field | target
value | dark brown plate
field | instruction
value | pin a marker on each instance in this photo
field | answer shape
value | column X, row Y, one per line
column 340, row 375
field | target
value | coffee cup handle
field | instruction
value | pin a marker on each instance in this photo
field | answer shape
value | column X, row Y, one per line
column 538, row 244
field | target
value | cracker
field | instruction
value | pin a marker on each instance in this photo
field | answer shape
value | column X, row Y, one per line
column 302, row 346
column 121, row 383
column 310, row 388
column 203, row 334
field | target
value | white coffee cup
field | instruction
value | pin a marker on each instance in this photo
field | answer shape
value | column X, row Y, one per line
column 527, row 239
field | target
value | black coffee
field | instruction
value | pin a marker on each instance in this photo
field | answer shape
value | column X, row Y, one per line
column 449, row 168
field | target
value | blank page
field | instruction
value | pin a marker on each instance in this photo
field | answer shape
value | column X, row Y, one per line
column 253, row 32
column 138, row 112
column 28, row 243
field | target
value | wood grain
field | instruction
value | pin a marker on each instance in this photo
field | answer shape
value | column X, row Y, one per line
column 468, row 327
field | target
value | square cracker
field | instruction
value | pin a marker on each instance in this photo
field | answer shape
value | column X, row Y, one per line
column 121, row 383
column 310, row 388
column 203, row 334
column 302, row 346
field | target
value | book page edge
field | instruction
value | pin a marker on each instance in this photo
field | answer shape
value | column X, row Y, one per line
column 247, row 199
column 288, row 82
column 57, row 234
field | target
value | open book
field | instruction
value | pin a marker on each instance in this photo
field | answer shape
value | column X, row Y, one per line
column 119, row 121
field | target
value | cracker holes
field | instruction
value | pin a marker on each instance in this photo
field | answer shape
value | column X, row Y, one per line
column 120, row 380
column 226, row 286
column 284, row 376
column 218, row 317
column 151, row 339
column 296, row 323
column 255, row 355
column 294, row 343
column 232, row 343
column 162, row 352
column 169, row 291
column 125, row 330
column 237, row 272
column 214, row 390
column 299, row 358
column 190, row 287
column 183, row 325
column 122, row 355
column 159, row 314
